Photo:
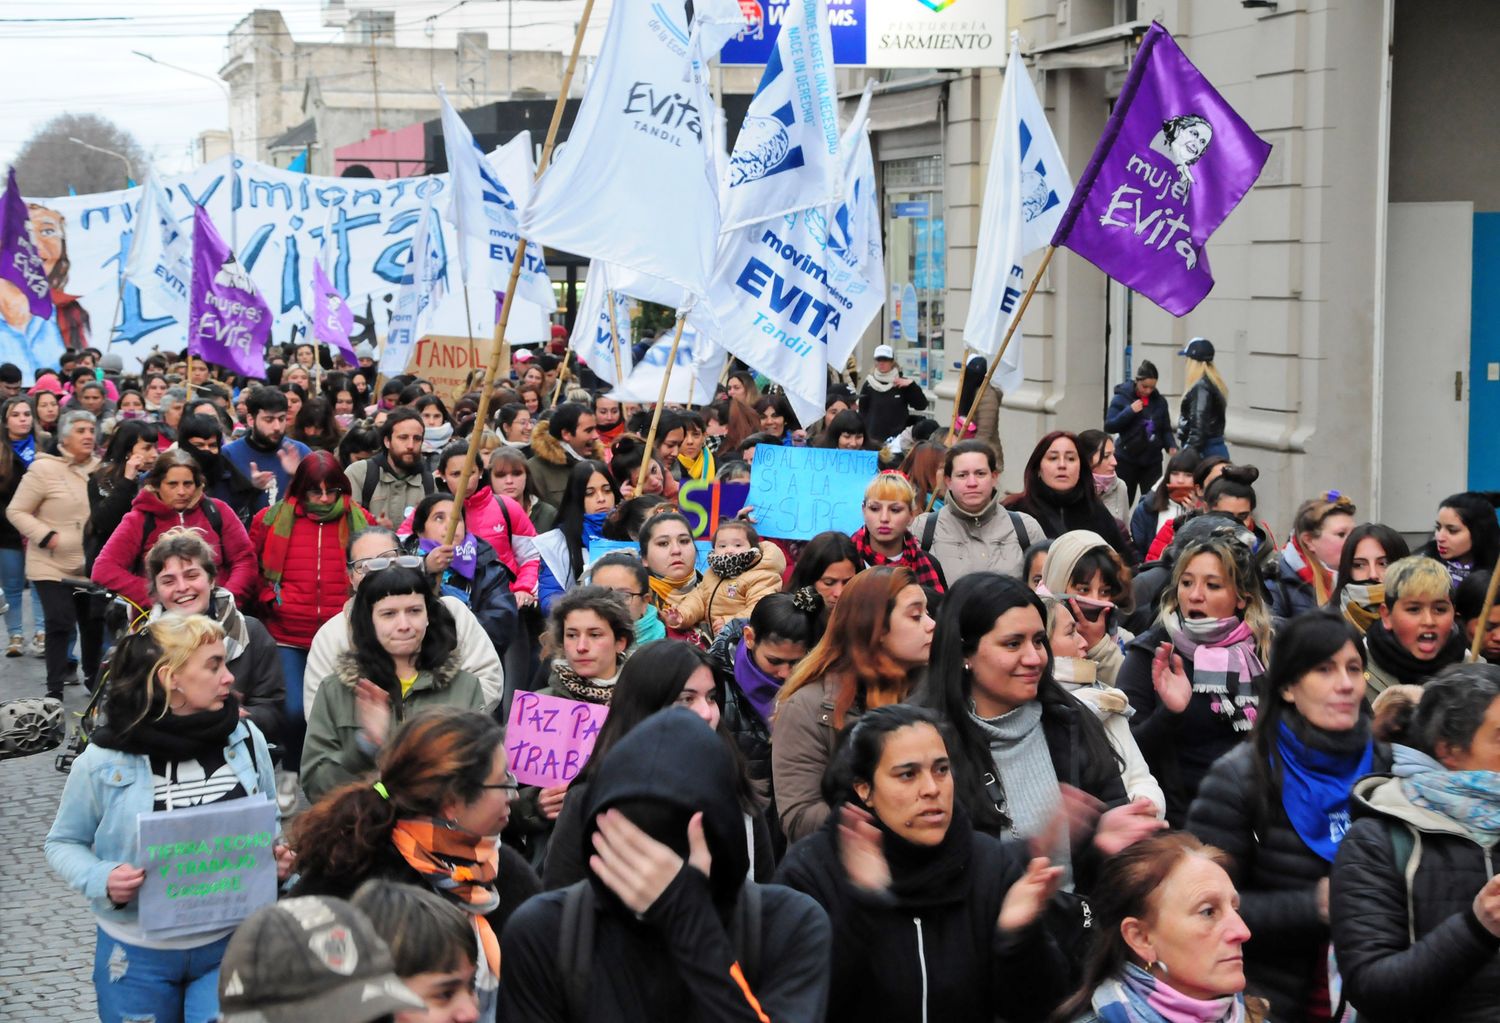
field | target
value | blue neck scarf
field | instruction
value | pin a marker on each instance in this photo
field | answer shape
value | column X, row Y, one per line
column 593, row 526
column 649, row 627
column 25, row 449
column 1315, row 788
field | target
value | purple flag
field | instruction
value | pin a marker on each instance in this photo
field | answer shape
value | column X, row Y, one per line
column 1174, row 160
column 332, row 319
column 228, row 322
column 20, row 262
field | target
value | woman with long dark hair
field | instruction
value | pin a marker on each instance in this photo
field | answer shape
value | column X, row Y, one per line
column 427, row 812
column 665, row 674
column 22, row 443
column 827, row 564
column 1059, row 493
column 588, row 498
column 1279, row 806
column 300, row 543
column 469, row 569
column 906, row 879
column 1019, row 735
column 316, row 426
column 878, row 643
column 670, row 555
column 510, row 477
column 1466, row 535
column 1359, row 592
column 1098, row 451
column 402, row 642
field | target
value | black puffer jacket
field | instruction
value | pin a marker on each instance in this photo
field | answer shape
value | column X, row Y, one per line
column 1277, row 877
column 1203, row 410
column 1179, row 748
column 751, row 733
column 1451, row 973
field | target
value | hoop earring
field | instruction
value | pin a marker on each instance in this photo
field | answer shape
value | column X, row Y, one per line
column 1157, row 964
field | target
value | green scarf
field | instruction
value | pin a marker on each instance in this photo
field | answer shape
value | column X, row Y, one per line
column 283, row 515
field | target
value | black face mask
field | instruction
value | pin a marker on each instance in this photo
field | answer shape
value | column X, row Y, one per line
column 210, row 462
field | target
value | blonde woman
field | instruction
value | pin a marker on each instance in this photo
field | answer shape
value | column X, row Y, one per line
column 1204, row 401
column 889, row 507
column 173, row 739
column 1307, row 570
column 1192, row 678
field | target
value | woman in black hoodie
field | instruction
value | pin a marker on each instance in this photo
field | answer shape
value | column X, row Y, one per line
column 931, row 919
column 666, row 926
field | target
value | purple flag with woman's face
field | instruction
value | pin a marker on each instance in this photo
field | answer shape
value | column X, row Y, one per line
column 20, row 262
column 228, row 321
column 1173, row 161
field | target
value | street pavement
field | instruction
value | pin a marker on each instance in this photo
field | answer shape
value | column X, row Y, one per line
column 46, row 930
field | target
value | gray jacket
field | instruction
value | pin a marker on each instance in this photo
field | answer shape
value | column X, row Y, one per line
column 987, row 542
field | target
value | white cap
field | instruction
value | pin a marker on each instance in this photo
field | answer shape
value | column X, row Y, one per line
column 884, row 352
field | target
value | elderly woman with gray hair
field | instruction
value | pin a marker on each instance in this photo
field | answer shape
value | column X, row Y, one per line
column 50, row 509
column 1415, row 894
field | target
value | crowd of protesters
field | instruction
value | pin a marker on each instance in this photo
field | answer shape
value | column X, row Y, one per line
column 1101, row 749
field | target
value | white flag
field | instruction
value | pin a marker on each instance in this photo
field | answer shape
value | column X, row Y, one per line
column 645, row 287
column 422, row 288
column 161, row 252
column 786, row 157
column 634, row 185
column 695, row 374
column 594, row 338
column 485, row 207
column 1025, row 195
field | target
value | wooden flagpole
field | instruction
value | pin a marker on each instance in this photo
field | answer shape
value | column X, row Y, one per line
column 499, row 349
column 661, row 400
column 1484, row 612
column 1015, row 321
column 562, row 375
column 614, row 331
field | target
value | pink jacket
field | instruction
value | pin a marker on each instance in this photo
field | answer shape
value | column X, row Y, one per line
column 483, row 518
column 121, row 564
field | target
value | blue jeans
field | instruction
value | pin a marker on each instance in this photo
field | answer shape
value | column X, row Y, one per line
column 293, row 667
column 134, row 983
column 1214, row 446
column 13, row 578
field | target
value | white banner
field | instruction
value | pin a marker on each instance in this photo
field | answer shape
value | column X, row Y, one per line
column 594, row 340
column 161, row 252
column 786, row 157
column 695, row 374
column 426, row 280
column 634, row 185
column 1025, row 195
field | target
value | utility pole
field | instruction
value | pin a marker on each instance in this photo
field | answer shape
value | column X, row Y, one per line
column 375, row 79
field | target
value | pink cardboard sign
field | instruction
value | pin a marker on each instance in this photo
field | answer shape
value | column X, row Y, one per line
column 549, row 739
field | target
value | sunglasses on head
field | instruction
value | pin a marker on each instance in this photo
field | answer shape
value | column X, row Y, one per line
column 384, row 562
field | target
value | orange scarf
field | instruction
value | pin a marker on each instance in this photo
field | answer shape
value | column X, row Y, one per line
column 458, row 865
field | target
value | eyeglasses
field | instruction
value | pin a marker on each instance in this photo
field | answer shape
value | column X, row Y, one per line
column 324, row 488
column 627, row 594
column 380, row 564
column 509, row 786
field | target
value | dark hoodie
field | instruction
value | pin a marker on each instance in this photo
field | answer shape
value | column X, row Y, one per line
column 676, row 961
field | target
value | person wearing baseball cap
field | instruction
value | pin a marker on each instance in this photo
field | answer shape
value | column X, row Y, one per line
column 1205, row 402
column 887, row 399
column 310, row 958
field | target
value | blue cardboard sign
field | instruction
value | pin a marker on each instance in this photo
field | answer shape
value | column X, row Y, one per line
column 798, row 493
column 600, row 547
column 846, row 24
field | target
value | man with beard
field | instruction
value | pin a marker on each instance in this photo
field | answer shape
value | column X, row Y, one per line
column 201, row 436
column 265, row 455
column 400, row 476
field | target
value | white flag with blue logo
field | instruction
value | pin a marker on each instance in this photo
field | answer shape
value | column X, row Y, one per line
column 594, row 338
column 695, row 374
column 793, row 294
column 1025, row 195
column 484, row 207
column 161, row 251
column 634, row 185
column 422, row 288
column 786, row 157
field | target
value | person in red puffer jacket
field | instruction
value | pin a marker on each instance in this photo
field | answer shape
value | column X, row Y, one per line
column 301, row 541
column 173, row 496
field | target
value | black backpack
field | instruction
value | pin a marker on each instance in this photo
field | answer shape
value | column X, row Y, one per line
column 575, row 940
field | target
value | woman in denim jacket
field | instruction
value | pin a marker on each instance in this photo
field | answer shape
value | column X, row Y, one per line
column 174, row 738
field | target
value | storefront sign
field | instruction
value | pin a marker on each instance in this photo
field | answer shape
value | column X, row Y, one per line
column 888, row 33
column 922, row 208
